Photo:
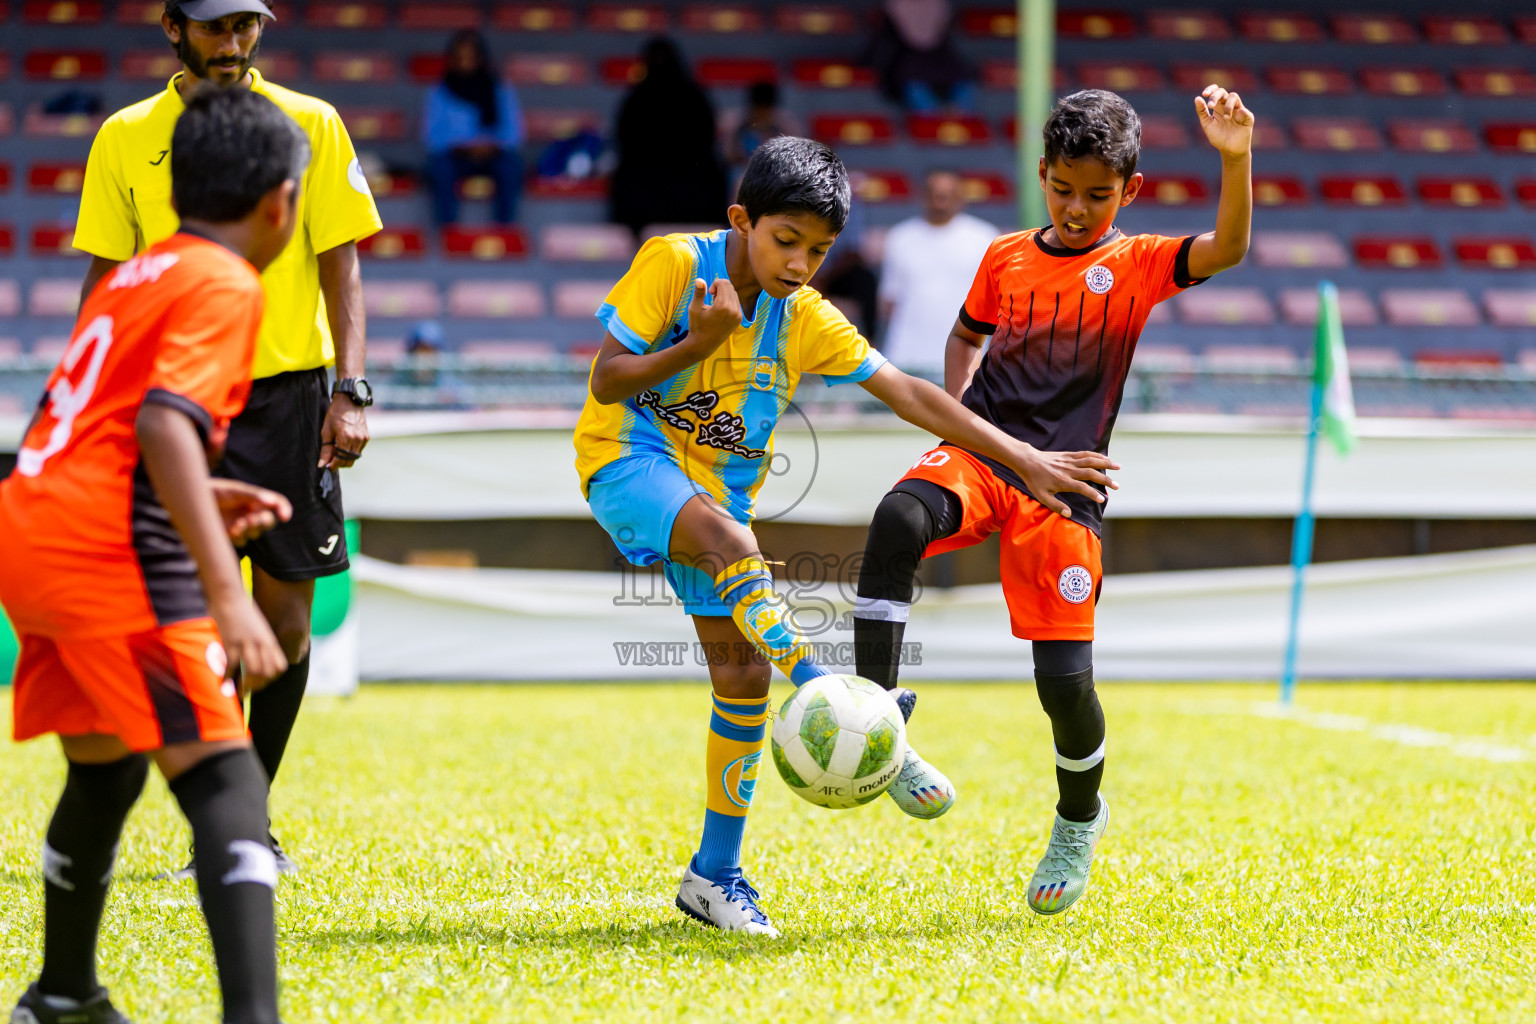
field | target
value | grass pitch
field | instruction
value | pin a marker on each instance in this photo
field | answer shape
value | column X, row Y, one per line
column 511, row 854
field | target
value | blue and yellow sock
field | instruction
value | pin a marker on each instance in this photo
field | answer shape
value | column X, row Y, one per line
column 763, row 617
column 732, row 757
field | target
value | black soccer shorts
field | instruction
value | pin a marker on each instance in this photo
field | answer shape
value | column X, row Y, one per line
column 275, row 443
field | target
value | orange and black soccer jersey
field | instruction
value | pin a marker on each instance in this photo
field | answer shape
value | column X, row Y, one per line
column 1064, row 324
column 86, row 548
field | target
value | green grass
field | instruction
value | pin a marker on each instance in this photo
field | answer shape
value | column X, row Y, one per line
column 501, row 854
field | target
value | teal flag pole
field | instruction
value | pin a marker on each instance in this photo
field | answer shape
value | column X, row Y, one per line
column 1301, row 546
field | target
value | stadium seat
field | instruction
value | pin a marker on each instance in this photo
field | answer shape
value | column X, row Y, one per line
column 1224, row 307
column 1121, row 76
column 385, row 350
column 587, row 243
column 1525, row 28
column 7, row 240
column 1004, row 74
column 626, row 18
column 1496, row 82
column 1162, row 132
column 10, row 297
column 496, row 299
column 65, row 65
column 54, row 240
column 1164, row 358
column 10, row 352
column 439, row 15
column 426, row 68
column 556, row 69
column 1403, row 81
column 1525, row 191
column 722, row 18
column 1250, row 358
column 401, row 299
column 58, row 126
column 1092, row 24
column 1350, row 190
column 507, row 353
column 1380, row 253
column 566, row 187
column 985, row 187
column 580, row 299
column 549, row 125
column 54, row 297
column 1280, row 28
column 736, row 72
column 1462, row 192
column 50, row 349
column 322, row 14
column 5, row 177
column 1377, row 29
column 1454, row 358
column 1495, row 253
column 156, row 65
column 1192, row 78
column 335, row 66
column 832, row 74
column 1464, row 30
column 1279, row 190
column 1175, row 190
column 61, row 12
column 948, row 129
column 1160, row 315
column 816, row 20
column 1506, row 137
column 853, row 129
column 7, row 120
column 387, row 185
column 1299, row 307
column 139, row 12
column 881, row 186
column 1188, row 26
column 407, row 243
column 280, row 65
column 1340, row 134
column 1372, row 358
column 533, row 17
column 1298, row 249
column 56, row 179
column 998, row 22
column 484, row 243
column 1429, row 307
column 1437, row 135
column 1512, row 309
column 5, row 64
column 1309, row 81
column 622, row 71
column 374, row 124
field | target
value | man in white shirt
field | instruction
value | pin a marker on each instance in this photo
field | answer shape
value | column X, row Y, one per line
column 929, row 264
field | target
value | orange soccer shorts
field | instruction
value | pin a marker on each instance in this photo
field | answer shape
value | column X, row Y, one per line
column 149, row 689
column 1051, row 567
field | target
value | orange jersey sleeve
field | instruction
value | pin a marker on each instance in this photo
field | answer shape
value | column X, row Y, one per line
column 203, row 363
column 1164, row 264
column 979, row 311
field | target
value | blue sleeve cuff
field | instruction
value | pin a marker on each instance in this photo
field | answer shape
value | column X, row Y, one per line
column 867, row 369
column 620, row 330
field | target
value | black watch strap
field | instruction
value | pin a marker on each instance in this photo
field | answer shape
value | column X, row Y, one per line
column 356, row 388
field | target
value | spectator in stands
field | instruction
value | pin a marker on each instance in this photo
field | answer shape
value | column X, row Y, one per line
column 668, row 171
column 915, row 56
column 763, row 119
column 473, row 126
column 929, row 264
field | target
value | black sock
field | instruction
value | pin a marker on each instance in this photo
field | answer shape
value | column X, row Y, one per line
column 225, row 799
column 1064, row 680
column 77, row 869
column 274, row 709
column 907, row 520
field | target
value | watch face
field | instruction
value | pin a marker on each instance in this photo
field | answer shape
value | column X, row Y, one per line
column 364, row 391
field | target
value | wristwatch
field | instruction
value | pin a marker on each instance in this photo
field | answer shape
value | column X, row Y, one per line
column 356, row 388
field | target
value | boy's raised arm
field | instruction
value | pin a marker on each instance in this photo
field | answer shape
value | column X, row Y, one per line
column 618, row 373
column 1228, row 126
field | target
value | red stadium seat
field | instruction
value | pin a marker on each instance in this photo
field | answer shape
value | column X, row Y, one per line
column 731, row 72
column 401, row 299
column 476, row 186
column 1495, row 253
column 1095, row 25
column 65, row 65
column 626, row 18
column 427, row 68
column 1280, row 28
column 853, row 129
column 148, row 65
column 371, row 124
column 1525, row 191
column 1432, row 136
column 1341, row 134
column 1121, row 77
column 568, row 188
column 54, row 297
column 1225, row 306
column 406, row 243
column 1279, row 190
column 622, row 70
column 324, row 14
column 54, row 240
column 1268, row 134
column 881, row 186
column 1496, row 81
column 1378, row 29
column 533, row 17
column 1162, row 132
column 1429, row 307
column 484, row 243
column 1000, row 22
column 816, row 20
column 832, row 74
column 1464, row 30
column 587, row 243
column 7, row 120
column 1310, row 81
column 1175, row 190
column 335, row 66
column 496, row 299
column 5, row 177
column 1463, row 192
column 7, row 240
column 37, row 124
column 139, row 12
column 10, row 299
column 1525, row 28
column 56, row 179
column 551, row 125
column 948, row 129
column 386, row 185
column 722, row 18
column 1457, row 359
column 1188, row 26
column 279, row 65
column 5, row 64
column 1403, row 81
column 555, row 69
column 985, row 187
column 61, row 12
column 580, row 299
column 1299, row 306
column 1511, row 137
column 1004, row 74
column 1512, row 309
column 439, row 15
column 1298, row 249
column 1395, row 253
column 1194, row 77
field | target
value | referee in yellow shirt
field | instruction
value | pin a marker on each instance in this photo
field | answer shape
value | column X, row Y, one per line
column 298, row 429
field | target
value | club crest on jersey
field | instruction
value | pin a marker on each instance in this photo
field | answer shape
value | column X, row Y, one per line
column 1099, row 279
column 1075, row 584
column 764, row 376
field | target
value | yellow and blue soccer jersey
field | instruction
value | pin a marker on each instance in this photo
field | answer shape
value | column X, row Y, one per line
column 714, row 420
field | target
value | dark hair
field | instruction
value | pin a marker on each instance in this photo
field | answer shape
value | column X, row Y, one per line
column 1094, row 123
column 794, row 175
column 763, row 94
column 230, row 148
column 477, row 87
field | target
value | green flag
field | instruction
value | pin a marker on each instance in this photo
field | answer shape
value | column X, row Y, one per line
column 1330, row 372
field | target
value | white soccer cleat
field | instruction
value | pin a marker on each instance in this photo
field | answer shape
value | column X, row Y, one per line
column 920, row 789
column 1062, row 876
column 729, row 904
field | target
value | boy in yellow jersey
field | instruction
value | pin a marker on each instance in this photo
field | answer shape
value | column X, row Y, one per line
column 296, row 430
column 677, row 436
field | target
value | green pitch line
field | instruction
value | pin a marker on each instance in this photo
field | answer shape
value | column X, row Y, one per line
column 511, row 853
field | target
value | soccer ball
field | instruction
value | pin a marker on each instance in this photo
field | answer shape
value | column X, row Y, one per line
column 839, row 741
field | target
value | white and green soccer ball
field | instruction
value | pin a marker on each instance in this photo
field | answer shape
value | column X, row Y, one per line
column 839, row 741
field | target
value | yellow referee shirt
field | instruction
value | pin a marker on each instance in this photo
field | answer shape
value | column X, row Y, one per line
column 126, row 207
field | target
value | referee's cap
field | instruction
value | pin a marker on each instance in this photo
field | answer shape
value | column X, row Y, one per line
column 213, row 10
